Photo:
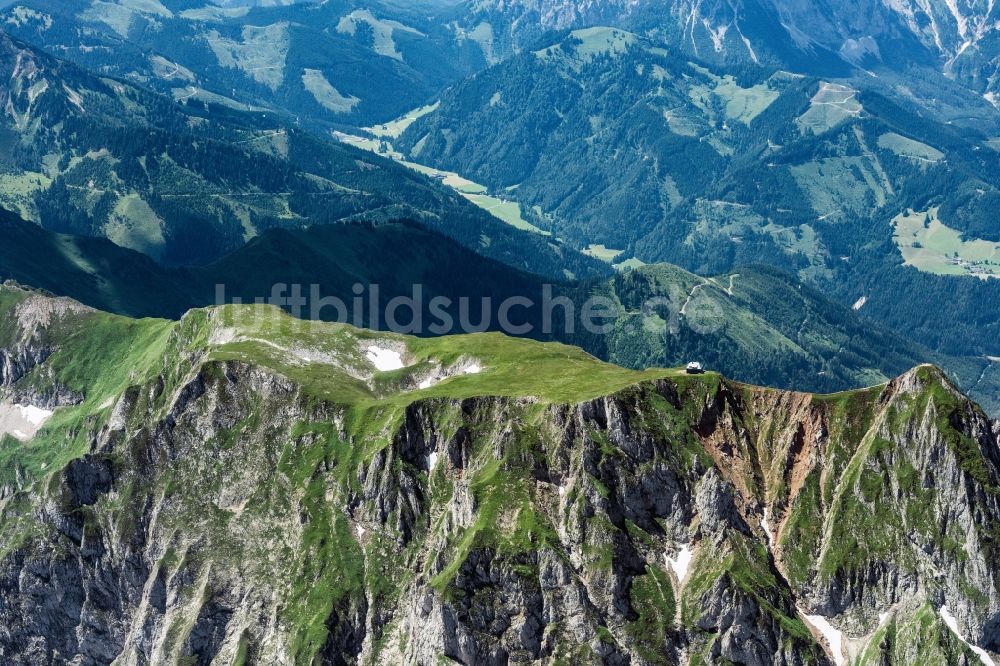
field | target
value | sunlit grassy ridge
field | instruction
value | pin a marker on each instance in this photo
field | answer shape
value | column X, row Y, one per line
column 98, row 356
column 510, row 367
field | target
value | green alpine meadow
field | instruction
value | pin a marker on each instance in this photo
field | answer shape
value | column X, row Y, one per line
column 499, row 333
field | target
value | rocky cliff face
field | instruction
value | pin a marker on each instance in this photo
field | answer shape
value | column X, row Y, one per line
column 958, row 37
column 229, row 508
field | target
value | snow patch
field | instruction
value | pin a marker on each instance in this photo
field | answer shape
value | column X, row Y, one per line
column 361, row 531
column 385, row 360
column 34, row 415
column 833, row 637
column 432, row 460
column 766, row 526
column 961, row 21
column 441, row 374
column 562, row 491
column 952, row 623
column 22, row 421
column 682, row 562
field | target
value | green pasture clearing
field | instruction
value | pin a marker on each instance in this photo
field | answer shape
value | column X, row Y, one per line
column 830, row 106
column 630, row 264
column 738, row 103
column 323, row 91
column 133, row 224
column 590, row 43
column 261, row 55
column 502, row 209
column 684, row 122
column 166, row 69
column 116, row 17
column 382, row 30
column 188, row 93
column 905, row 147
column 17, row 192
column 603, row 253
column 744, row 104
column 384, row 148
column 930, row 246
column 449, row 178
column 838, row 186
column 395, row 128
column 508, row 211
column 599, row 41
column 214, row 13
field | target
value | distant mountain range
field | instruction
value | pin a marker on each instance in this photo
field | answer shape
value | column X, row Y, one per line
column 325, row 64
column 88, row 155
column 347, row 63
column 958, row 39
column 614, row 141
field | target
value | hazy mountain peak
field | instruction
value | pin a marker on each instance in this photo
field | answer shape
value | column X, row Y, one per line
column 955, row 35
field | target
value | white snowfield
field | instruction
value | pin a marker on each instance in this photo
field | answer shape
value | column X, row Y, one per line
column 682, row 562
column 765, row 524
column 952, row 623
column 833, row 637
column 432, row 460
column 22, row 421
column 35, row 415
column 385, row 360
column 442, row 374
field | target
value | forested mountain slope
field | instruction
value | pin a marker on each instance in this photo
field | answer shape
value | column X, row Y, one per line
column 945, row 49
column 365, row 62
column 320, row 63
column 88, row 155
column 200, row 493
column 610, row 139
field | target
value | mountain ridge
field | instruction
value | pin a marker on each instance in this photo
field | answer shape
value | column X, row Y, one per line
column 756, row 325
column 807, row 174
column 445, row 495
column 956, row 39
column 89, row 155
